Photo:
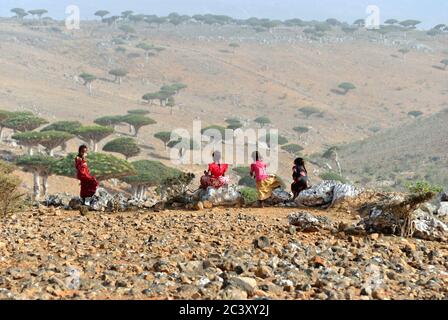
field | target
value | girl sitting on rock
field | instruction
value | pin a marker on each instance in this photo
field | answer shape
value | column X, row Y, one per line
column 215, row 175
column 300, row 177
column 265, row 183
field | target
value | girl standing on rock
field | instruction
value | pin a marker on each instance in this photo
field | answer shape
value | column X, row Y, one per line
column 300, row 177
column 89, row 184
column 265, row 183
column 215, row 176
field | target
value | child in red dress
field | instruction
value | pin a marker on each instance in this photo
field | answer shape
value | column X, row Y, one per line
column 215, row 176
column 89, row 184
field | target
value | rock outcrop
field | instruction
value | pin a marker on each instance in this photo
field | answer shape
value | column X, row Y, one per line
column 326, row 194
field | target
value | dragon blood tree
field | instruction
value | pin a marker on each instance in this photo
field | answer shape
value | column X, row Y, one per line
column 149, row 174
column 49, row 139
column 3, row 116
column 41, row 167
column 22, row 122
column 136, row 122
column 93, row 134
column 102, row 166
column 109, row 121
column 164, row 136
column 125, row 146
column 64, row 126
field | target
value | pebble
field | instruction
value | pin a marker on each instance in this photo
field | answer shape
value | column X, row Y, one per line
column 264, row 272
column 374, row 236
column 262, row 242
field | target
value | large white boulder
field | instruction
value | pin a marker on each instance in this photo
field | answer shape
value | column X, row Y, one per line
column 326, row 193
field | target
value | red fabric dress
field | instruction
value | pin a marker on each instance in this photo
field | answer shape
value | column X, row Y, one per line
column 216, row 178
column 88, row 183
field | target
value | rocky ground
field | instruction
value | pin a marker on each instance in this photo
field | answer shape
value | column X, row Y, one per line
column 216, row 253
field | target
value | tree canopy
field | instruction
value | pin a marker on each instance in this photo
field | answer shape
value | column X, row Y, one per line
column 140, row 112
column 211, row 130
column 109, row 121
column 137, row 121
column 94, row 133
column 102, row 166
column 87, row 77
column 294, row 149
column 262, row 121
column 118, row 74
column 415, row 113
column 186, row 144
column 346, row 86
column 37, row 163
column 301, row 129
column 38, row 12
column 19, row 12
column 125, row 146
column 235, row 125
column 410, row 23
column 150, row 173
column 164, row 136
column 23, row 122
column 64, row 126
column 391, row 21
column 309, row 111
column 102, row 13
column 48, row 139
column 126, row 14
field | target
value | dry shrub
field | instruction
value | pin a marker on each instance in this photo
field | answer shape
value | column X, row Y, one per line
column 10, row 195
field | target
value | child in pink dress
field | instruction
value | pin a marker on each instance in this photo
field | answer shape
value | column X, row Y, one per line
column 265, row 183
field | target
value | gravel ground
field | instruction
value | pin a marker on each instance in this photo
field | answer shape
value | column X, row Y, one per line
column 211, row 254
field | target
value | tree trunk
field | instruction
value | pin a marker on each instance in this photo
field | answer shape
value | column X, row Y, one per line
column 95, row 146
column 51, row 153
column 336, row 160
column 142, row 193
column 162, row 193
column 135, row 191
column 89, row 86
column 91, row 144
column 44, row 185
column 30, row 151
column 36, row 187
column 1, row 133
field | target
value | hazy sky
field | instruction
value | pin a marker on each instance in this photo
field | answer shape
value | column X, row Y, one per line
column 431, row 12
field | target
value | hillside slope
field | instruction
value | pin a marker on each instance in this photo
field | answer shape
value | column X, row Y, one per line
column 270, row 74
column 410, row 152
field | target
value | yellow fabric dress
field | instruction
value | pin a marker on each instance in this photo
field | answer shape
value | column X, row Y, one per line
column 266, row 186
